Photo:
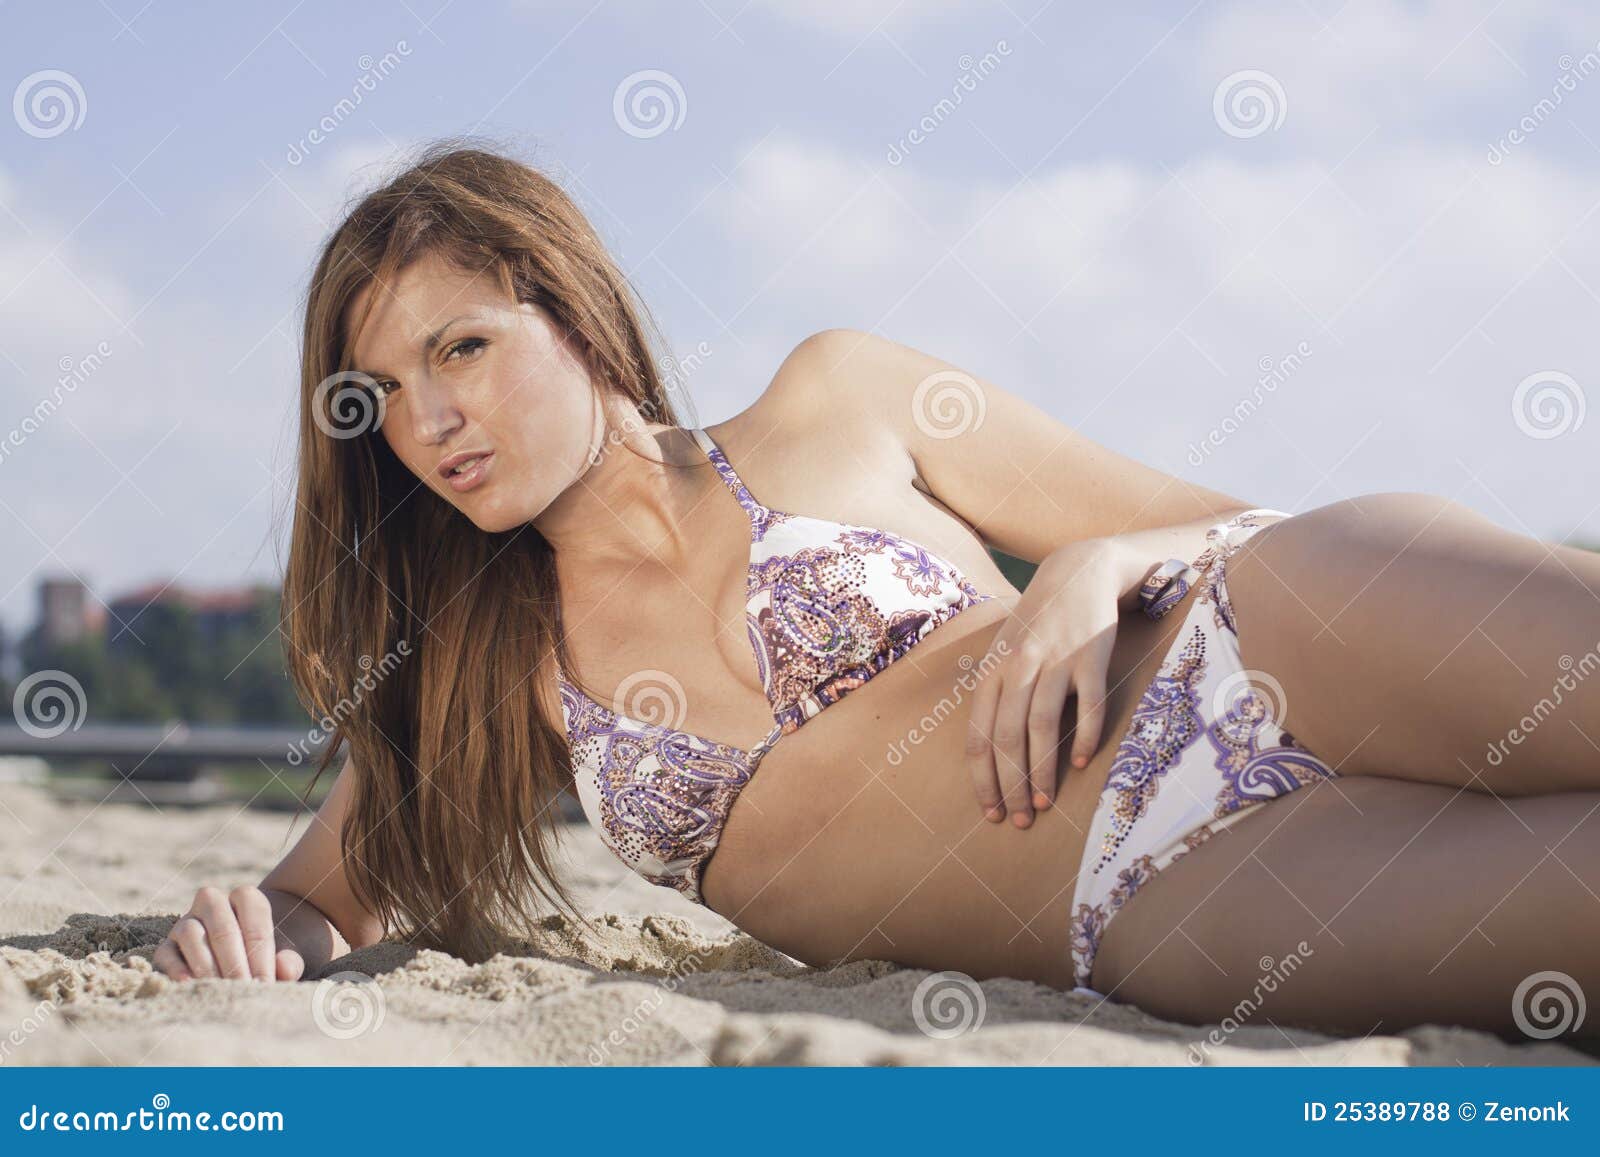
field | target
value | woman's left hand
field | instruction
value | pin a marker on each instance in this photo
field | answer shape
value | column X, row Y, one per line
column 1057, row 642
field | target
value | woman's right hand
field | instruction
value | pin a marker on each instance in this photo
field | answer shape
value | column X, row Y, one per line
column 227, row 935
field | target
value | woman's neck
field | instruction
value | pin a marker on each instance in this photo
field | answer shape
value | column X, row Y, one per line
column 632, row 505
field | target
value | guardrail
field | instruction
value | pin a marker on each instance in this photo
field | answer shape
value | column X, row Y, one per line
column 166, row 751
column 174, row 753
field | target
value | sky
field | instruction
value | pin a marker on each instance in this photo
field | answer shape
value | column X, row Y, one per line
column 1296, row 252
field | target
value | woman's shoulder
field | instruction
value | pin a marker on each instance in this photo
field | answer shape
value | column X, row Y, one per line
column 818, row 409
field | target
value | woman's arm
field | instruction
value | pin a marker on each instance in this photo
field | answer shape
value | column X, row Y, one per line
column 1135, row 554
column 1027, row 482
column 301, row 926
column 303, row 914
column 313, row 872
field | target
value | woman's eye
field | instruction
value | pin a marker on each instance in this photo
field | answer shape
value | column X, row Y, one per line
column 472, row 343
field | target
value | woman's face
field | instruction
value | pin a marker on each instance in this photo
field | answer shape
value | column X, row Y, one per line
column 466, row 370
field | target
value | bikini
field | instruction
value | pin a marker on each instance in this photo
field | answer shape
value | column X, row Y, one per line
column 1202, row 750
column 828, row 606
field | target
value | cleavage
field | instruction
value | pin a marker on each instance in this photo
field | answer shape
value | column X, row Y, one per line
column 648, row 646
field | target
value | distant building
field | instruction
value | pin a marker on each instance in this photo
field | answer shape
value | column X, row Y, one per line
column 63, row 615
column 215, row 612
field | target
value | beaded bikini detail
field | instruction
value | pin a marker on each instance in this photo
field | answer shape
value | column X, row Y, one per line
column 1203, row 748
column 828, row 605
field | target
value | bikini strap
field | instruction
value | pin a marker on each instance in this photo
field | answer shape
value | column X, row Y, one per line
column 730, row 477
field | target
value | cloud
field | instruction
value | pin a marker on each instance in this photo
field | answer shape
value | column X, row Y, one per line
column 1433, row 69
column 858, row 18
column 311, row 196
column 1138, row 302
column 133, row 417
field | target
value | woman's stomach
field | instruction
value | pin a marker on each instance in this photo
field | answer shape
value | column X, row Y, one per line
column 861, row 836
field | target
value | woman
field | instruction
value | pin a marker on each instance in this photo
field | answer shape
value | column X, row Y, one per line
column 515, row 507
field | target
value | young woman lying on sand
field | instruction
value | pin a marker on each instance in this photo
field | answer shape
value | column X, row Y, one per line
column 1144, row 824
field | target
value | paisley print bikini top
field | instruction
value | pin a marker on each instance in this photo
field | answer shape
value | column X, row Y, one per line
column 828, row 605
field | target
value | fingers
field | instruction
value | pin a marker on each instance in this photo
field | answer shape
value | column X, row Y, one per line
column 980, row 767
column 1091, row 714
column 227, row 937
column 1011, row 749
column 169, row 959
column 979, row 754
column 215, row 911
column 1044, row 732
column 1014, row 729
column 290, row 964
column 253, row 914
column 190, row 937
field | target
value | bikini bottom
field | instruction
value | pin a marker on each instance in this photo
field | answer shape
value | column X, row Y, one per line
column 1203, row 747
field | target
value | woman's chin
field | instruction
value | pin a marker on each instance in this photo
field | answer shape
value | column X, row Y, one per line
column 491, row 521
column 496, row 518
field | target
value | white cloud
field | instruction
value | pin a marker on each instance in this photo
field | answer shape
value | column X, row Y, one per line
column 193, row 385
column 315, row 193
column 858, row 18
column 1151, row 297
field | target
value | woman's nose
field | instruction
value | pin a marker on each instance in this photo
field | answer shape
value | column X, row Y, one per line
column 433, row 415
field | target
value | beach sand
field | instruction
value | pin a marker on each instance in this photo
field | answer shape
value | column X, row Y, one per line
column 89, row 890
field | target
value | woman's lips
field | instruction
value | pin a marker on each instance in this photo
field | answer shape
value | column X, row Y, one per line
column 473, row 477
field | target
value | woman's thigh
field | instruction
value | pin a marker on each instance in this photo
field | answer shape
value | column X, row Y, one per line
column 1403, row 635
column 1362, row 904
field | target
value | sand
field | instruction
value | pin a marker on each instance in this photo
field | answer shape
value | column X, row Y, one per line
column 90, row 889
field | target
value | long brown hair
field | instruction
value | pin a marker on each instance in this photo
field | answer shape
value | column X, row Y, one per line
column 457, row 742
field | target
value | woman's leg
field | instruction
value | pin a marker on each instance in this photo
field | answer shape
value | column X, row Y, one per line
column 1373, row 904
column 1404, row 635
